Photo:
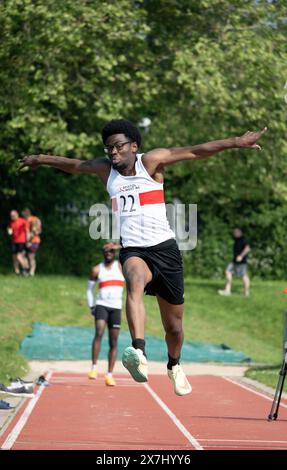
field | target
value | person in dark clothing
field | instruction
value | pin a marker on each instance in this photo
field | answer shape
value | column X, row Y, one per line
column 238, row 266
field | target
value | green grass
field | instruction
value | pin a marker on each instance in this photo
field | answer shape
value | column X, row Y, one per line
column 267, row 375
column 253, row 325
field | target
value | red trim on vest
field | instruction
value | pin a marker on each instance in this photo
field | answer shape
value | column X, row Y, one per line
column 111, row 283
column 114, row 204
column 152, row 197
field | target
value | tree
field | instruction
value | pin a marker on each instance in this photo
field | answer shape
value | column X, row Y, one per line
column 198, row 70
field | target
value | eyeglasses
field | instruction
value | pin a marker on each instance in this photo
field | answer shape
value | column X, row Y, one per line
column 119, row 146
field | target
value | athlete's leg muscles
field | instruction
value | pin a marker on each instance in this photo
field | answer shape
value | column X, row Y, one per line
column 32, row 262
column 22, row 259
column 246, row 284
column 113, row 343
column 171, row 316
column 137, row 275
column 96, row 346
column 228, row 278
column 16, row 264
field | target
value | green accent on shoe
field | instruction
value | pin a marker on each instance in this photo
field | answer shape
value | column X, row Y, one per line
column 131, row 361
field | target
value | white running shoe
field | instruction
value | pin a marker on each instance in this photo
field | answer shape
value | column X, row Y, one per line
column 180, row 382
column 135, row 361
column 224, row 292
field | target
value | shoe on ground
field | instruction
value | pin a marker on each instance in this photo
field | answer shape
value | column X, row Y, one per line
column 110, row 381
column 17, row 391
column 42, row 381
column 93, row 374
column 135, row 362
column 18, row 382
column 4, row 405
column 224, row 293
column 179, row 380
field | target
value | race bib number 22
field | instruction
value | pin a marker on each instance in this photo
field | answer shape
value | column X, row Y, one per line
column 128, row 204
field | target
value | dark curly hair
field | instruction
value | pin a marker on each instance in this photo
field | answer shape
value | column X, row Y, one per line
column 121, row 126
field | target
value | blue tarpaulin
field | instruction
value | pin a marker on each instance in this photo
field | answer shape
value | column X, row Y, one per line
column 74, row 343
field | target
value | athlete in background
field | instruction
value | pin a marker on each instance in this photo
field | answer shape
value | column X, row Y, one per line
column 106, row 308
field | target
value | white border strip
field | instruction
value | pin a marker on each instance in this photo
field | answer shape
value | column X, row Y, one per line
column 244, row 440
column 24, row 418
column 251, row 390
column 174, row 419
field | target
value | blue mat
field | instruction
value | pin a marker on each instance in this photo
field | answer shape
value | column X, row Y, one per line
column 74, row 343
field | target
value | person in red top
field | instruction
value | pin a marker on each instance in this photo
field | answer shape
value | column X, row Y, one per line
column 33, row 240
column 18, row 229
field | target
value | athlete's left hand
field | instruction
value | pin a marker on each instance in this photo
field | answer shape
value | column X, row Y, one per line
column 33, row 162
column 249, row 139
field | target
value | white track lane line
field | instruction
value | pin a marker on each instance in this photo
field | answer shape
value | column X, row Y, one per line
column 251, row 390
column 7, row 445
column 249, row 441
column 174, row 419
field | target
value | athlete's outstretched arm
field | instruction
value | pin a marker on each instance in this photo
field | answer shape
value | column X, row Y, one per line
column 99, row 166
column 168, row 156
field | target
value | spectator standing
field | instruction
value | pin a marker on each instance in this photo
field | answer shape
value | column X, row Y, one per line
column 18, row 230
column 34, row 240
column 238, row 266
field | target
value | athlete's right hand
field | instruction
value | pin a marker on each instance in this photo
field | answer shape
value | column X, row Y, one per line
column 33, row 161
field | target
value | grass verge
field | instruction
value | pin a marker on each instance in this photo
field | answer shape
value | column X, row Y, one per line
column 253, row 325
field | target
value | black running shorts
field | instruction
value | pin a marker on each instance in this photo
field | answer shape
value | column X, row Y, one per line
column 112, row 316
column 165, row 263
column 18, row 248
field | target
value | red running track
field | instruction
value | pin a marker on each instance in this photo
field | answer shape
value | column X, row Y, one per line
column 80, row 414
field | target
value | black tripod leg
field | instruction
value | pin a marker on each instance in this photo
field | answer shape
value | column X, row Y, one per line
column 271, row 414
column 278, row 393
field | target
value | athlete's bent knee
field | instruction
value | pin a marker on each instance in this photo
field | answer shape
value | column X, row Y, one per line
column 135, row 284
column 113, row 344
column 99, row 335
column 174, row 330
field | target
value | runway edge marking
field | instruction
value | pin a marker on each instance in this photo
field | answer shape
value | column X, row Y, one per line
column 9, row 442
column 174, row 419
column 249, row 389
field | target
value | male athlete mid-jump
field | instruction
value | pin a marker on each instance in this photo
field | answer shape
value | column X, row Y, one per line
column 149, row 256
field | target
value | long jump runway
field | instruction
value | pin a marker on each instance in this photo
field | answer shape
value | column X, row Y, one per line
column 80, row 414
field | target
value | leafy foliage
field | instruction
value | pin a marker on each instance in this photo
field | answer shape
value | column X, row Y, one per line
column 199, row 70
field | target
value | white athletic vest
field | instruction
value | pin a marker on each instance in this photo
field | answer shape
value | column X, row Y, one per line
column 138, row 202
column 111, row 284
